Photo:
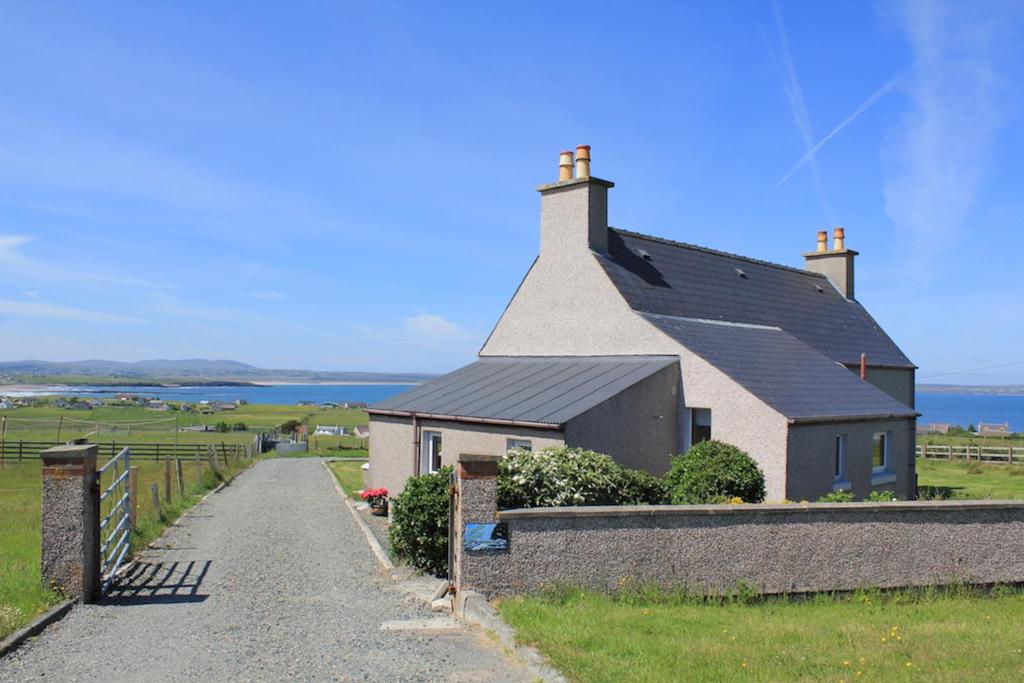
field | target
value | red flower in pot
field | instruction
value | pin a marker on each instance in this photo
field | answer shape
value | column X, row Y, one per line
column 377, row 499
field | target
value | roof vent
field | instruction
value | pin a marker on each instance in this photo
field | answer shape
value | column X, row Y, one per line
column 644, row 254
column 739, row 271
column 820, row 289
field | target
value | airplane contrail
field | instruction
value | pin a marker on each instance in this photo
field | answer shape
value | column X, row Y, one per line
column 865, row 105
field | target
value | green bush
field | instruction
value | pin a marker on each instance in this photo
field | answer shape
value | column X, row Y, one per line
column 837, row 497
column 881, row 497
column 419, row 522
column 713, row 472
column 637, row 487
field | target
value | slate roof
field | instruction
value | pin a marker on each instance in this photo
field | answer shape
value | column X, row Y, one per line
column 670, row 278
column 539, row 390
column 784, row 372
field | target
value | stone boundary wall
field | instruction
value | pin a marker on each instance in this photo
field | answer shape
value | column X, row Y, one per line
column 771, row 548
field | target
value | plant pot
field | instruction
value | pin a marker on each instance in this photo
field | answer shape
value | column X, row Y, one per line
column 380, row 510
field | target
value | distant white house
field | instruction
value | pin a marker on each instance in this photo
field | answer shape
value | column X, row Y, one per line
column 329, row 430
column 993, row 429
column 5, row 404
column 157, row 404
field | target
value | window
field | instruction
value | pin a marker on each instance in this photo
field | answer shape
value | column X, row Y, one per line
column 880, row 452
column 524, row 444
column 430, row 452
column 700, row 425
column 840, row 458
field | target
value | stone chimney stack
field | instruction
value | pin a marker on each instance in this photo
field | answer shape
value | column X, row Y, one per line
column 835, row 263
column 574, row 210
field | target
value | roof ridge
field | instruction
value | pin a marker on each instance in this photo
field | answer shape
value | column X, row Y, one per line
column 716, row 252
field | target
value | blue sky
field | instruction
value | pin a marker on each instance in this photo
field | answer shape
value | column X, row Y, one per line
column 351, row 185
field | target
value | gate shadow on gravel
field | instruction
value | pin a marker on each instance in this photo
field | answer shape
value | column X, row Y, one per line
column 155, row 583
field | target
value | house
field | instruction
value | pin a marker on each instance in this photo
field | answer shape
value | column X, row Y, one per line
column 328, row 404
column 933, row 428
column 993, row 429
column 157, row 404
column 639, row 346
column 329, row 430
column 5, row 404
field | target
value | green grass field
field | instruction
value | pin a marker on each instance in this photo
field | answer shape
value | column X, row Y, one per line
column 22, row 594
column 349, row 475
column 970, row 480
column 939, row 635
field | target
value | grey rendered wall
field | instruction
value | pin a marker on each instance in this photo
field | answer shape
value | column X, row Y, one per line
column 391, row 445
column 811, row 449
column 772, row 548
column 639, row 427
column 897, row 382
column 391, row 452
column 458, row 438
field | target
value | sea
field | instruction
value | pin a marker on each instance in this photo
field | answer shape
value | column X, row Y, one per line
column 963, row 409
column 281, row 394
column 958, row 408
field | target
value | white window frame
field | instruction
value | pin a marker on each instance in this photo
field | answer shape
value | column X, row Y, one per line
column 839, row 480
column 427, row 451
column 886, row 465
column 518, row 443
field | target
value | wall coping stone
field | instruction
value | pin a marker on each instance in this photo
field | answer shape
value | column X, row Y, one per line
column 478, row 457
column 757, row 509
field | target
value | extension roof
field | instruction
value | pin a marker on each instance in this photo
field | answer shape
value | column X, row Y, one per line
column 663, row 277
column 542, row 391
column 784, row 372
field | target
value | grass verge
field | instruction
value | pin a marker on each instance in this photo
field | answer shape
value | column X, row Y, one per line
column 948, row 634
column 349, row 475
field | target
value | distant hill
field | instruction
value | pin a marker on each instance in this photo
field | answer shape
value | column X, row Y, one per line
column 1000, row 389
column 188, row 369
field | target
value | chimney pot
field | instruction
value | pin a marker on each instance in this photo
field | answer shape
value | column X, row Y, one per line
column 822, row 240
column 565, row 165
column 582, row 161
column 838, row 240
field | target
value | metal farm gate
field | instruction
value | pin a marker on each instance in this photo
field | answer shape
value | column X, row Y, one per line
column 115, row 516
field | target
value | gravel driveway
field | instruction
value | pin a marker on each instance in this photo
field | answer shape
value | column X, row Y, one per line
column 270, row 579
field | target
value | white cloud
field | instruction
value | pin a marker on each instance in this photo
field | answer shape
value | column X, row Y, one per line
column 433, row 326
column 937, row 158
column 36, row 309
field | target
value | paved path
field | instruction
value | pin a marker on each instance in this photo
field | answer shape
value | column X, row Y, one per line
column 270, row 579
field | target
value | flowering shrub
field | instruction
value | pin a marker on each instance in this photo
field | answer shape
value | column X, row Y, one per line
column 562, row 476
column 419, row 522
column 375, row 497
column 714, row 472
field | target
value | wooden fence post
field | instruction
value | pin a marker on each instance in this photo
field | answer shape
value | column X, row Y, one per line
column 167, row 480
column 181, row 479
column 211, row 458
column 199, row 469
column 133, row 494
column 155, row 491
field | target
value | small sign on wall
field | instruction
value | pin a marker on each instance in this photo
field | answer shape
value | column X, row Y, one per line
column 485, row 536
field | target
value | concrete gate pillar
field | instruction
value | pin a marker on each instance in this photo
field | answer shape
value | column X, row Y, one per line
column 71, row 521
column 477, row 502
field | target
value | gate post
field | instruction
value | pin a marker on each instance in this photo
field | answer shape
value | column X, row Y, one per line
column 476, row 491
column 71, row 521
